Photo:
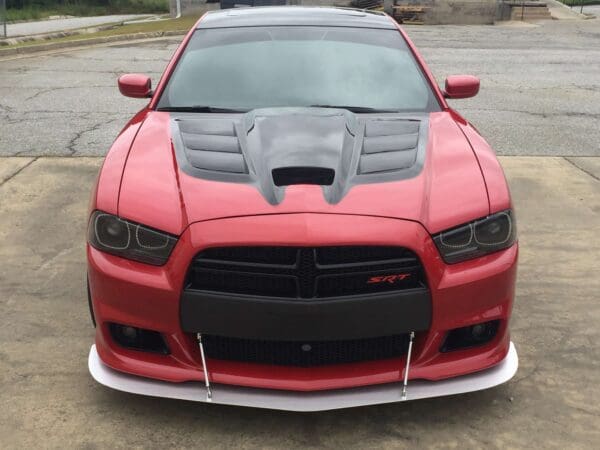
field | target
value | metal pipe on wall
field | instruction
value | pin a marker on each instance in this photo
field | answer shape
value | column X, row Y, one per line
column 4, row 18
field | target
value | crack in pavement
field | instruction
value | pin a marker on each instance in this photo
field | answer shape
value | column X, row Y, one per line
column 53, row 258
column 59, row 88
column 69, row 112
column 587, row 172
column 78, row 135
column 536, row 114
column 555, row 88
column 18, row 171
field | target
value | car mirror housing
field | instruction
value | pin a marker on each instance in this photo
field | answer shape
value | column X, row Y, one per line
column 461, row 86
column 135, row 85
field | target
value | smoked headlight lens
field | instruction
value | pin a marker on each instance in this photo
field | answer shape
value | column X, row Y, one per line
column 130, row 240
column 478, row 238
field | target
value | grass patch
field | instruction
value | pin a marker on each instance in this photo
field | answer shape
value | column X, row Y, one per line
column 35, row 12
column 181, row 24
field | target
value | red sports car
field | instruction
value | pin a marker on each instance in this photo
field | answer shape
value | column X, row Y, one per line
column 298, row 220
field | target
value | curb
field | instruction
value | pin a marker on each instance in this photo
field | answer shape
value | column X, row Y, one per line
column 41, row 38
column 40, row 20
column 562, row 9
column 24, row 50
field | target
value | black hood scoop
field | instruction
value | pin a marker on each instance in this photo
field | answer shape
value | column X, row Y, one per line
column 286, row 176
column 278, row 147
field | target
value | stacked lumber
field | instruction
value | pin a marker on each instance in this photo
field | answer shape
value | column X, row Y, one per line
column 410, row 14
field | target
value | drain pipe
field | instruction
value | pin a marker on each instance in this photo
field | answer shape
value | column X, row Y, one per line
column 178, row 8
column 4, row 18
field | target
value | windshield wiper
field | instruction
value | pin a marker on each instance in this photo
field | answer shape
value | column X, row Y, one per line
column 216, row 109
column 355, row 109
column 200, row 109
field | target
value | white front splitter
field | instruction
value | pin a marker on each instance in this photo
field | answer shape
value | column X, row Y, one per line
column 304, row 401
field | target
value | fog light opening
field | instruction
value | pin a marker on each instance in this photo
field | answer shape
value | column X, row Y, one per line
column 471, row 336
column 134, row 338
column 129, row 333
column 479, row 331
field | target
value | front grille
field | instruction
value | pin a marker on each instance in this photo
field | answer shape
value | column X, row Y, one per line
column 304, row 354
column 305, row 272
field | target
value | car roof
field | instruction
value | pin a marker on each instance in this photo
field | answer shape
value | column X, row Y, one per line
column 295, row 15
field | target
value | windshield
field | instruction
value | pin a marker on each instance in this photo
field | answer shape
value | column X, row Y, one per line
column 241, row 69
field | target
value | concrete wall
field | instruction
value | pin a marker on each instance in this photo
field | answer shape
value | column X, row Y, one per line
column 440, row 12
column 458, row 12
column 463, row 12
column 191, row 7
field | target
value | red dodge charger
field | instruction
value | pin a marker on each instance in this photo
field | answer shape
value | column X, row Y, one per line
column 298, row 220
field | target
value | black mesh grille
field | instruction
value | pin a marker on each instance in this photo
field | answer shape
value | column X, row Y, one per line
column 254, row 255
column 304, row 354
column 362, row 254
column 305, row 272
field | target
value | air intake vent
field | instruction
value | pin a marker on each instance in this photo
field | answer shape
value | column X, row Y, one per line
column 305, row 354
column 272, row 148
column 213, row 145
column 286, row 176
column 389, row 145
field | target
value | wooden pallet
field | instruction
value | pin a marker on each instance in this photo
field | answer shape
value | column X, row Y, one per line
column 411, row 14
column 410, row 8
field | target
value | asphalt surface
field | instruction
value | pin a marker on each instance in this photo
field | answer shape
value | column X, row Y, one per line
column 67, row 104
column 72, row 23
column 536, row 79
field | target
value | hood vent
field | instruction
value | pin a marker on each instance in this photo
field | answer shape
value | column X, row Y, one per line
column 212, row 145
column 389, row 145
column 273, row 148
column 286, row 176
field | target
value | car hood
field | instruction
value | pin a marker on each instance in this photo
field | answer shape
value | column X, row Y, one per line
column 186, row 168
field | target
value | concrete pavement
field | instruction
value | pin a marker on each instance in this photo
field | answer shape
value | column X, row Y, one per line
column 49, row 399
column 590, row 9
column 560, row 11
column 64, row 24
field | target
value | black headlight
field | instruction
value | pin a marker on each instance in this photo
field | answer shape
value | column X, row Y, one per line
column 478, row 238
column 130, row 240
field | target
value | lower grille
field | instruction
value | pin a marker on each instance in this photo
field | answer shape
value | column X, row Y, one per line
column 304, row 354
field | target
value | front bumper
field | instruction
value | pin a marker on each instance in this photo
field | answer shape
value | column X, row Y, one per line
column 131, row 293
column 304, row 401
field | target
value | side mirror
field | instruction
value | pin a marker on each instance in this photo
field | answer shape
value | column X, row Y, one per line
column 461, row 86
column 135, row 85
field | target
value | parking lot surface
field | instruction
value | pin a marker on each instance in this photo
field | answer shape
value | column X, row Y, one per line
column 539, row 106
column 540, row 92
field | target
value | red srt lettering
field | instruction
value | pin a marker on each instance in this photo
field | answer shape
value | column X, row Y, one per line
column 389, row 278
